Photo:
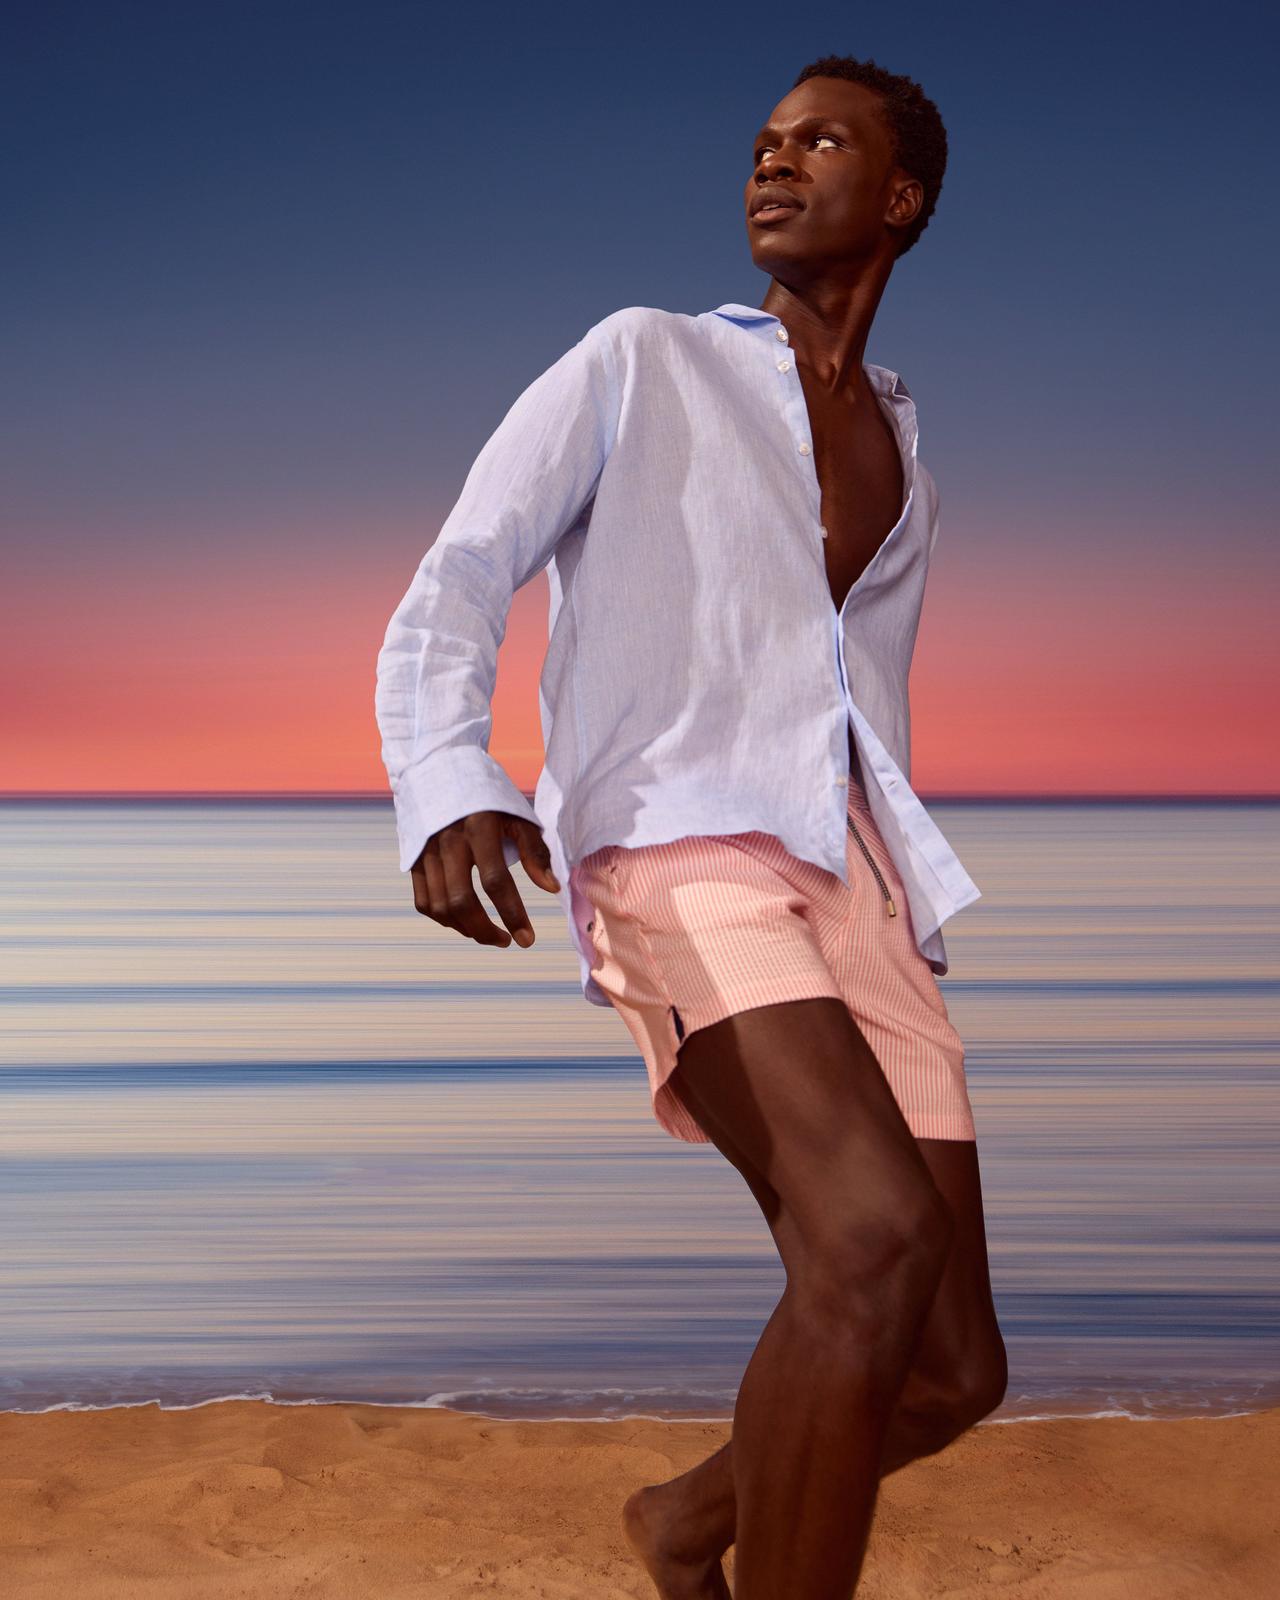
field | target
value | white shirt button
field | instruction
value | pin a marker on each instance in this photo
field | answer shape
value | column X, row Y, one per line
column 840, row 782
column 824, row 533
column 803, row 448
column 780, row 333
column 784, row 366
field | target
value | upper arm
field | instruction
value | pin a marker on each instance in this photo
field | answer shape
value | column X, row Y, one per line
column 540, row 466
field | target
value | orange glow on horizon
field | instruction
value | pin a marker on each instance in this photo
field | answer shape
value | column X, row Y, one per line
column 261, row 679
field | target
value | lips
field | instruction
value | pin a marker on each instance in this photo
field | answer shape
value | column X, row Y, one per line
column 772, row 203
column 772, row 212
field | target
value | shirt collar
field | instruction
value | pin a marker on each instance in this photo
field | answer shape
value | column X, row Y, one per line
column 884, row 378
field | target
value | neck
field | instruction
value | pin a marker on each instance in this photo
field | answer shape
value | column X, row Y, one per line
column 827, row 323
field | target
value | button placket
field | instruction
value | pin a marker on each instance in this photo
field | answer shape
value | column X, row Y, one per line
column 798, row 417
column 796, row 412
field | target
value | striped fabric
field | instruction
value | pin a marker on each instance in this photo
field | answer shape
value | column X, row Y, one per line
column 692, row 931
column 699, row 678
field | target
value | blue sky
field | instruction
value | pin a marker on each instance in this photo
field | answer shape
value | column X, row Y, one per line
column 283, row 267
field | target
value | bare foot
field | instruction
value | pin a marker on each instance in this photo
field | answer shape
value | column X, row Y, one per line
column 653, row 1531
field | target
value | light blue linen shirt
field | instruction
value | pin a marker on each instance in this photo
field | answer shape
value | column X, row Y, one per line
column 698, row 676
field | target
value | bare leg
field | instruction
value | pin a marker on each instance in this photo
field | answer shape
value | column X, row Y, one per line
column 795, row 1089
column 682, row 1528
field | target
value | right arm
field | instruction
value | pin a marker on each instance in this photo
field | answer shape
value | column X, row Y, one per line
column 455, row 806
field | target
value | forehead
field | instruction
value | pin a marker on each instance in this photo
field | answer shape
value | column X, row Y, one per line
column 853, row 104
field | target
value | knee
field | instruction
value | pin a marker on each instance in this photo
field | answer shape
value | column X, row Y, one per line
column 892, row 1257
column 977, row 1386
column 933, row 1414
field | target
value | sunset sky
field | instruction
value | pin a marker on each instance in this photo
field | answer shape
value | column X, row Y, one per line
column 274, row 273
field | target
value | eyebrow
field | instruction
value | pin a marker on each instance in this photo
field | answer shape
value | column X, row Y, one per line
column 804, row 122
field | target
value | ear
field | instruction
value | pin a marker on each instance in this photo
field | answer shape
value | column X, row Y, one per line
column 904, row 206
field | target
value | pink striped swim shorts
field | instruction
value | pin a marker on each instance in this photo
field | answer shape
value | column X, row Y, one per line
column 692, row 931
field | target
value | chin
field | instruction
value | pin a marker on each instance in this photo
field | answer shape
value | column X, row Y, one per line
column 766, row 256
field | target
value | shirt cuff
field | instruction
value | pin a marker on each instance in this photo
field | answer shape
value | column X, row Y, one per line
column 450, row 784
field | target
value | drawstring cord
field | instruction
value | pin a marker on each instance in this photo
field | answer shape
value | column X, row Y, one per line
column 884, row 888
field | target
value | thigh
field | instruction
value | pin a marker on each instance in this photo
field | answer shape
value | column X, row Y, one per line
column 962, row 1320
column 693, row 931
column 793, row 1096
column 962, row 1335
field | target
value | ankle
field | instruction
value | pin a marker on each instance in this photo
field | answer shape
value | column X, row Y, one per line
column 671, row 1517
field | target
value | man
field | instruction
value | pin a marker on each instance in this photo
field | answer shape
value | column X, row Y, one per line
column 737, row 530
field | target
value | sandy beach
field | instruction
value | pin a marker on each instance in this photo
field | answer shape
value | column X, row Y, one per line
column 249, row 1499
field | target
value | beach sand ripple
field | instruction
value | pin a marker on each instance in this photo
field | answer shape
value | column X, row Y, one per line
column 249, row 1499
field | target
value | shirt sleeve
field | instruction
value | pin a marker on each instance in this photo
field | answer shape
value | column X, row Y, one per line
column 933, row 506
column 437, row 666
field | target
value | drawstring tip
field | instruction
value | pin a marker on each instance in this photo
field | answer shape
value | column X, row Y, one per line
column 893, row 910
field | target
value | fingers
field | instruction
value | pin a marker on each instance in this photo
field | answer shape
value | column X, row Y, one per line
column 443, row 887
column 486, row 834
column 427, row 873
column 535, row 858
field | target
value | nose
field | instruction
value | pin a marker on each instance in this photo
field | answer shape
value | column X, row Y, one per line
column 775, row 163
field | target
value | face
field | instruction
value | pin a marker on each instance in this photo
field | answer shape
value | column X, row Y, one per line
column 827, row 148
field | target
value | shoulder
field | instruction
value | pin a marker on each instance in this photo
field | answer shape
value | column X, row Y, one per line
column 635, row 328
column 641, row 322
column 630, row 340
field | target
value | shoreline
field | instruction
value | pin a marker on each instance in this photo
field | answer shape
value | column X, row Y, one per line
column 86, row 1407
column 676, row 1418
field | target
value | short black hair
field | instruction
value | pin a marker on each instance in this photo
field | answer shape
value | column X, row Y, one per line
column 914, row 124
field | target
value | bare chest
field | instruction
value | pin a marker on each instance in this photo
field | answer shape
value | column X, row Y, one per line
column 859, row 466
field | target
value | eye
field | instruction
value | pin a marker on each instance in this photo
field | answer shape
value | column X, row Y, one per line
column 764, row 148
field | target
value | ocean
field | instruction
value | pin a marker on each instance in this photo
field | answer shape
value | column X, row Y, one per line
column 264, row 1131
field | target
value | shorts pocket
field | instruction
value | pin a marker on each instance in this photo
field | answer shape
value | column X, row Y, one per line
column 600, row 862
column 617, row 861
column 601, row 875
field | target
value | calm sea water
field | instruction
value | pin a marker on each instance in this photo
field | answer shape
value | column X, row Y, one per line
column 267, row 1132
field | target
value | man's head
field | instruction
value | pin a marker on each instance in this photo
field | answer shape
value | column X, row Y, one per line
column 860, row 153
